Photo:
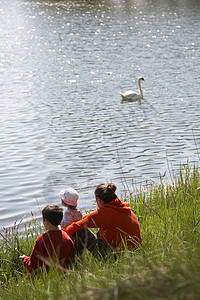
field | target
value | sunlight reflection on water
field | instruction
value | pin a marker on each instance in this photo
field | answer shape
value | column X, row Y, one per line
column 63, row 64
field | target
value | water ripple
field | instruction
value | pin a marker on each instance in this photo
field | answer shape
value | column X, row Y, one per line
column 62, row 121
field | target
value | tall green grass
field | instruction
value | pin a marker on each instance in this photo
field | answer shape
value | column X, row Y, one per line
column 165, row 267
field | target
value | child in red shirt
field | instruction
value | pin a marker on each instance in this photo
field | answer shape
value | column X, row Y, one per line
column 54, row 247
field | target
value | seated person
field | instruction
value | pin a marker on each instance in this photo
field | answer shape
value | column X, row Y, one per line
column 69, row 199
column 118, row 225
column 52, row 248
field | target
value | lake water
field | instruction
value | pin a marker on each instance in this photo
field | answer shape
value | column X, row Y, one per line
column 63, row 65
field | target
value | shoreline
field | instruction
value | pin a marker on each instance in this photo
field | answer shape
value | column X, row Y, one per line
column 166, row 266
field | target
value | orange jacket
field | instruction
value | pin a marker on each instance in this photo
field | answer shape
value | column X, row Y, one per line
column 116, row 222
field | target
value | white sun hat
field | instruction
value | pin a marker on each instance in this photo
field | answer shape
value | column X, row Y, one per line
column 69, row 196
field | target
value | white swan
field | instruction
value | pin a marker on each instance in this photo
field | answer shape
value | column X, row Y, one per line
column 130, row 95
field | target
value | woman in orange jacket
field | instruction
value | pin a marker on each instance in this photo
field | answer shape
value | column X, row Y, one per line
column 118, row 225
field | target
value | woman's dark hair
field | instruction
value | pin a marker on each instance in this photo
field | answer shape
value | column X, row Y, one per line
column 53, row 213
column 106, row 192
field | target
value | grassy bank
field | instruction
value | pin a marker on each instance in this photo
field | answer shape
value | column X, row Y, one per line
column 166, row 267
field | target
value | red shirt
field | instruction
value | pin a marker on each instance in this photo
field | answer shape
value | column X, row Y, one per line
column 53, row 245
column 116, row 223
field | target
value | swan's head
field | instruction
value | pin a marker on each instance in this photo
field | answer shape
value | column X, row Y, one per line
column 141, row 78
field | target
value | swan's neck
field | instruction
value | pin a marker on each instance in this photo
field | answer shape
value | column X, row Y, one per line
column 139, row 88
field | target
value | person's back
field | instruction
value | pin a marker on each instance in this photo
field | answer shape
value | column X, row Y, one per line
column 71, row 215
column 53, row 248
column 69, row 199
column 118, row 225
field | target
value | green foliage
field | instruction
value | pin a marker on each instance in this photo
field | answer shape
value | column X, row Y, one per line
column 165, row 267
column 22, row 241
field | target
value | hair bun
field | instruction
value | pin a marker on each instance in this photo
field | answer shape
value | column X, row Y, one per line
column 112, row 186
column 106, row 192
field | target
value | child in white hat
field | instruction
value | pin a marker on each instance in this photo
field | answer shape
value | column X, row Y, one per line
column 69, row 198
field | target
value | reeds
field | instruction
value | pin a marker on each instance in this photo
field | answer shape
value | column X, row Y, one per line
column 165, row 267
